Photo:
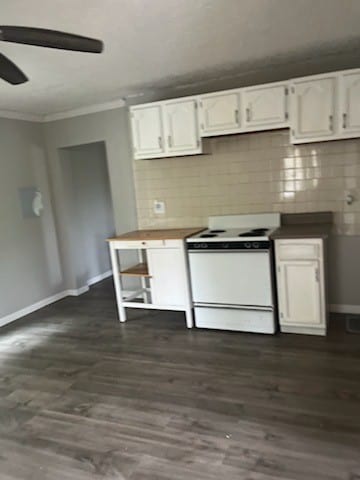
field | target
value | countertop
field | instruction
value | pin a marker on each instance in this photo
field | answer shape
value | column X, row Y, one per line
column 304, row 225
column 159, row 234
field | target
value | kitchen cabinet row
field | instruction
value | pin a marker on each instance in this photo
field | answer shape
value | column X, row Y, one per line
column 314, row 108
column 300, row 278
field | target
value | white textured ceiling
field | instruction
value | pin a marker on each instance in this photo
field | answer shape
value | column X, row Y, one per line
column 155, row 47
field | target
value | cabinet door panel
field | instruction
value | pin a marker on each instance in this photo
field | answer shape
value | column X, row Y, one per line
column 300, row 293
column 168, row 276
column 265, row 106
column 219, row 113
column 314, row 108
column 147, row 131
column 350, row 103
column 181, row 127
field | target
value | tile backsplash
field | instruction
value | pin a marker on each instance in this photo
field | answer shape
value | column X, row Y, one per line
column 251, row 173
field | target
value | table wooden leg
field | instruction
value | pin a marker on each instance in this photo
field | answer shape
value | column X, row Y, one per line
column 117, row 283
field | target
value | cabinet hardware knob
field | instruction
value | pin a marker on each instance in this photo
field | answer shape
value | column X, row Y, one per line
column 236, row 116
column 344, row 120
column 331, row 126
column 248, row 114
column 160, row 142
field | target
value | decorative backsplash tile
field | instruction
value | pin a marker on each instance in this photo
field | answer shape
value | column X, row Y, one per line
column 250, row 173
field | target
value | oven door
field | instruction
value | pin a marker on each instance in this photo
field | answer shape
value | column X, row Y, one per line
column 231, row 277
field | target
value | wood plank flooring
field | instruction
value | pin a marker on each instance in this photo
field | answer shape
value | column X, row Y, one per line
column 84, row 397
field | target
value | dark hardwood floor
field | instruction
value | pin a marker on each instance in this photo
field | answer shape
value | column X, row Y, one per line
column 84, row 397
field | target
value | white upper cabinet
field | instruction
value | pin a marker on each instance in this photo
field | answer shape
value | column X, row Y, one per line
column 181, row 126
column 314, row 102
column 147, row 131
column 350, row 103
column 165, row 129
column 219, row 113
column 265, row 106
column 316, row 108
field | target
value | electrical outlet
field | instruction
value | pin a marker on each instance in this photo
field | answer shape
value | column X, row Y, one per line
column 159, row 207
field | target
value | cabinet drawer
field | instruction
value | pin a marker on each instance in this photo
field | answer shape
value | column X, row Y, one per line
column 139, row 244
column 298, row 250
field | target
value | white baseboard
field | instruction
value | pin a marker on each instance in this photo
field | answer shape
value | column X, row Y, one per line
column 32, row 308
column 341, row 308
column 75, row 292
column 54, row 298
column 100, row 277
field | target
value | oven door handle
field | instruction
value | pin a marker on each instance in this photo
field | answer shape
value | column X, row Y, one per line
column 264, row 308
column 220, row 250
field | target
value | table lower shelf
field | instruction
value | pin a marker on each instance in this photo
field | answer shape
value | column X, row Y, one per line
column 139, row 270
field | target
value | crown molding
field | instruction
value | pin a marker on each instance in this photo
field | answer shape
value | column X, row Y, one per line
column 27, row 117
column 77, row 112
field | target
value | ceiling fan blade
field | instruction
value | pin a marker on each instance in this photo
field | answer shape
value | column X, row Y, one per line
column 50, row 38
column 10, row 72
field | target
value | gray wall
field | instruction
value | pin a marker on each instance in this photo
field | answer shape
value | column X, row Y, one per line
column 112, row 128
column 92, row 220
column 36, row 258
column 29, row 262
column 344, row 270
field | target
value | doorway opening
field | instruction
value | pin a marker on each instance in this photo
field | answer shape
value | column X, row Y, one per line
column 90, row 217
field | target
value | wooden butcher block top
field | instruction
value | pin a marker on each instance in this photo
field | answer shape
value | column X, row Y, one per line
column 160, row 234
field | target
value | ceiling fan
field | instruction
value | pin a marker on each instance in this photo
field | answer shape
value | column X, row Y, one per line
column 42, row 38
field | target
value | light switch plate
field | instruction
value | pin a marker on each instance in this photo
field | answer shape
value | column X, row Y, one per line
column 159, row 207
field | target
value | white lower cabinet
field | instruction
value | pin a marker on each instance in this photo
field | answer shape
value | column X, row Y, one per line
column 167, row 276
column 301, row 286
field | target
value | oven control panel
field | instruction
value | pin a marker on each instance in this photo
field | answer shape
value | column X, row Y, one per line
column 250, row 245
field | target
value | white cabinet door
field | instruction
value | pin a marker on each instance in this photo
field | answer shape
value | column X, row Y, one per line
column 181, row 127
column 314, row 102
column 265, row 107
column 168, row 276
column 350, row 103
column 299, row 293
column 147, row 131
column 219, row 113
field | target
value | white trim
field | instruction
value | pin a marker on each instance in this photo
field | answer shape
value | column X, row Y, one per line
column 77, row 291
column 32, row 308
column 54, row 298
column 341, row 308
column 100, row 277
column 27, row 117
column 76, row 112
column 303, row 330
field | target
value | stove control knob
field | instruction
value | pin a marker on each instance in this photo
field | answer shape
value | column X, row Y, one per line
column 247, row 245
column 204, row 245
column 226, row 245
column 256, row 245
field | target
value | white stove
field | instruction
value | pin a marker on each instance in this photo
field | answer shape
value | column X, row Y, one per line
column 231, row 269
